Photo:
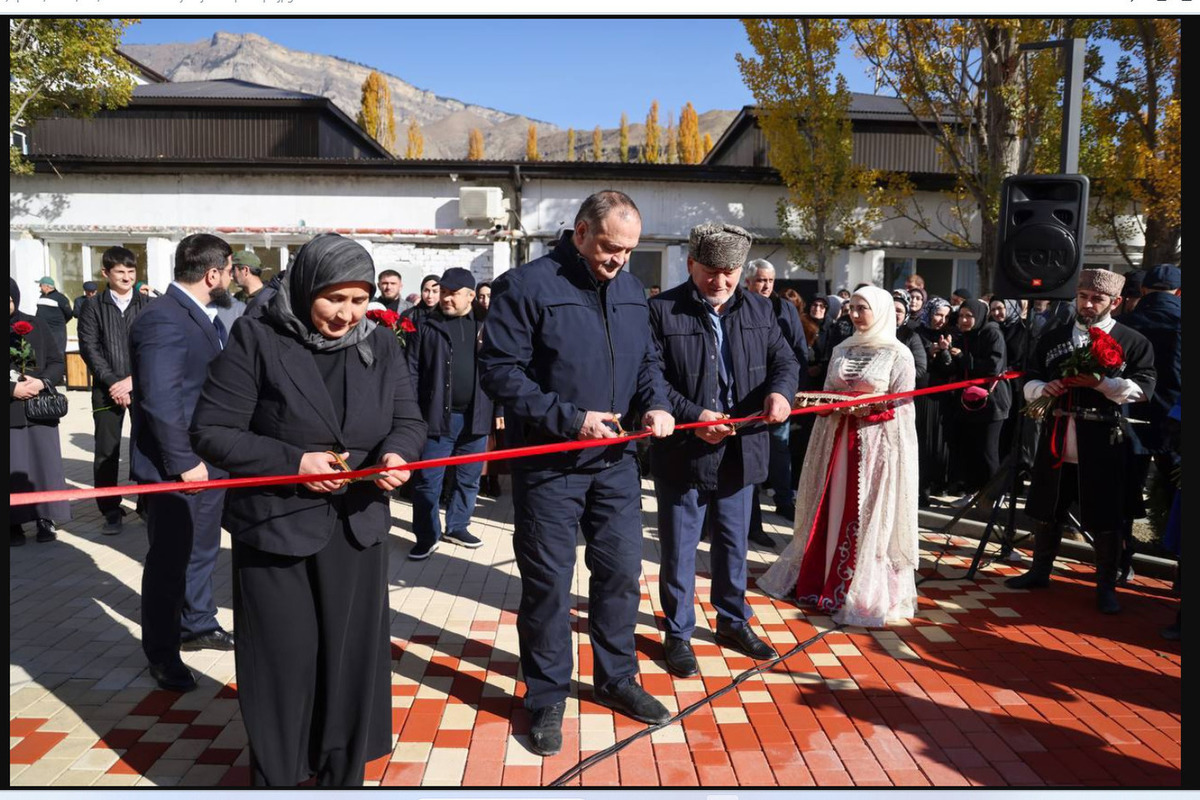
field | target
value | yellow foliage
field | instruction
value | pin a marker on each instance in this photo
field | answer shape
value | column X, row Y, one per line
column 531, row 144
column 475, row 145
column 375, row 114
column 652, row 152
column 416, row 140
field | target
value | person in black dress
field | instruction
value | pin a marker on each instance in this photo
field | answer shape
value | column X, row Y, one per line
column 34, row 451
column 307, row 385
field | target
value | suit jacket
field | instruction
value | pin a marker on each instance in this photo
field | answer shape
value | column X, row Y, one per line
column 265, row 405
column 170, row 345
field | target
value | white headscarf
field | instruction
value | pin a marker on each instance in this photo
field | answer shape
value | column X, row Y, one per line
column 882, row 332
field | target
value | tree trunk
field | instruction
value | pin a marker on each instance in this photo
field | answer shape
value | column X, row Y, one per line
column 1160, row 244
column 989, row 231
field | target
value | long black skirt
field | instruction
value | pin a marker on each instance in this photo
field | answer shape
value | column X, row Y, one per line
column 35, row 465
column 933, row 440
column 313, row 661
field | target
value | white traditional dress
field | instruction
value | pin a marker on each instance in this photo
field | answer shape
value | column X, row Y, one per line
column 855, row 549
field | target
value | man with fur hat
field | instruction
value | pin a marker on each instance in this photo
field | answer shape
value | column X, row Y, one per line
column 723, row 355
column 1086, row 448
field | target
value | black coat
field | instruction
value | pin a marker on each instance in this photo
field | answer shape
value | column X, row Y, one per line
column 264, row 405
column 429, row 353
column 54, row 310
column 104, row 336
column 48, row 365
column 909, row 336
column 763, row 363
column 1159, row 317
column 793, row 333
column 170, row 345
column 558, row 344
column 1106, row 495
column 983, row 355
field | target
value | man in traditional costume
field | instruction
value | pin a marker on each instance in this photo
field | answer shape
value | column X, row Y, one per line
column 1086, row 449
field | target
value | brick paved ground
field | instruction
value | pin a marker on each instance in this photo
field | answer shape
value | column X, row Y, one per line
column 986, row 687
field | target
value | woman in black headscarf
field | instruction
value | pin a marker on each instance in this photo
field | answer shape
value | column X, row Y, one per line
column 936, row 416
column 34, row 451
column 309, row 386
column 982, row 410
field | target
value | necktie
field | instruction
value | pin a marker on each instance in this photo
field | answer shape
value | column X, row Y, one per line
column 222, row 333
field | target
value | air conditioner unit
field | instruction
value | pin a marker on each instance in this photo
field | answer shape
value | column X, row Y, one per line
column 481, row 203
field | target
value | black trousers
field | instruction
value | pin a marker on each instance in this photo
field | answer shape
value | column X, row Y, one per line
column 106, row 460
column 313, row 661
column 177, row 595
column 979, row 449
column 550, row 507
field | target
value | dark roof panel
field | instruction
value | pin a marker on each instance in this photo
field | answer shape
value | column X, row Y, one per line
column 223, row 89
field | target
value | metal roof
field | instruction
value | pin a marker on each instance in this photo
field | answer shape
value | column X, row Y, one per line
column 222, row 89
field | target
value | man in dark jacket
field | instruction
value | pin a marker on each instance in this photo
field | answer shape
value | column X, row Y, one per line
column 104, row 344
column 723, row 355
column 171, row 344
column 442, row 359
column 1158, row 317
column 391, row 291
column 89, row 291
column 567, row 352
column 54, row 311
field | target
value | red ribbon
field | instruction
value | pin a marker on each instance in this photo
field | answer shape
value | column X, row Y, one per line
column 71, row 495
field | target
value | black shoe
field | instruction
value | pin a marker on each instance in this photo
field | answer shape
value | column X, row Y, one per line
column 545, row 733
column 420, row 552
column 213, row 640
column 114, row 523
column 1033, row 579
column 1106, row 600
column 680, row 658
column 462, row 539
column 744, row 641
column 46, row 532
column 762, row 539
column 633, row 701
column 173, row 676
column 788, row 512
column 16, row 536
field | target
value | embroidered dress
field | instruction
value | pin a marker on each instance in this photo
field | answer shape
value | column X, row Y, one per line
column 855, row 549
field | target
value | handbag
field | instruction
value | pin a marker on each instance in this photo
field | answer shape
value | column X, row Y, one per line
column 47, row 406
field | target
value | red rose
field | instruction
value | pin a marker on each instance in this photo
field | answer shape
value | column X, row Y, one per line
column 407, row 326
column 383, row 316
column 22, row 328
column 1107, row 350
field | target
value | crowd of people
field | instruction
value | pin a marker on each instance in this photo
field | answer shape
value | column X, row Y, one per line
column 326, row 368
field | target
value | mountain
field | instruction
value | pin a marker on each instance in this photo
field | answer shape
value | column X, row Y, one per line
column 445, row 122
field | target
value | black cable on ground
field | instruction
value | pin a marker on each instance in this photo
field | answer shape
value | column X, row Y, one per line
column 596, row 758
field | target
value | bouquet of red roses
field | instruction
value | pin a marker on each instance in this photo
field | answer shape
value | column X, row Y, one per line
column 20, row 352
column 400, row 326
column 1100, row 358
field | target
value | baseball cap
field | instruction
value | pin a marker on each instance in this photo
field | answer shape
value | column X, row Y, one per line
column 247, row 258
column 1164, row 276
column 457, row 278
column 48, row 281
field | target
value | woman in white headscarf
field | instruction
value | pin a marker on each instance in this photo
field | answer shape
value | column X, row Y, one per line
column 855, row 550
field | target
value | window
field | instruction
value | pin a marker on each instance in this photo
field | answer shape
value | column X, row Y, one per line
column 66, row 267
column 647, row 267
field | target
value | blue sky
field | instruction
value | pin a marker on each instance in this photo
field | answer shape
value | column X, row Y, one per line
column 573, row 73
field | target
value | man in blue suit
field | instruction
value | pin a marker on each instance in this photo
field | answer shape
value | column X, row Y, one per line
column 171, row 344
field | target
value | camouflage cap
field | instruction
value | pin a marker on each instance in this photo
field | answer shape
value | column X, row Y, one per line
column 719, row 246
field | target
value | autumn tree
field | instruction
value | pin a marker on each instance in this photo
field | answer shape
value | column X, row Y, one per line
column 531, row 144
column 967, row 86
column 690, row 146
column 416, row 140
column 1139, row 127
column 671, row 154
column 708, row 144
column 652, row 152
column 63, row 66
column 375, row 115
column 570, row 144
column 475, row 145
column 597, row 144
column 623, row 140
column 803, row 111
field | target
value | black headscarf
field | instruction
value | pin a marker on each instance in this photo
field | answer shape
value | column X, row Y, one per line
column 14, row 292
column 979, row 309
column 326, row 260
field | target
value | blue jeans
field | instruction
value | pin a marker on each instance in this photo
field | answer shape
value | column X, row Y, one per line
column 682, row 513
column 427, row 483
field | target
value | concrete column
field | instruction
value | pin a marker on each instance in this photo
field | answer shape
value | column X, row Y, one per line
column 501, row 258
column 160, row 262
column 537, row 249
column 873, row 267
column 27, row 265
